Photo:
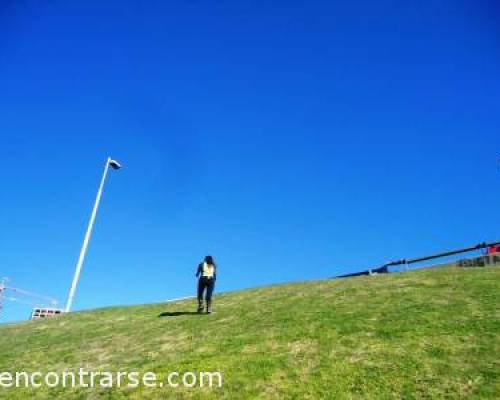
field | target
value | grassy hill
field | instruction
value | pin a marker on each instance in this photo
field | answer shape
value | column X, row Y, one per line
column 419, row 334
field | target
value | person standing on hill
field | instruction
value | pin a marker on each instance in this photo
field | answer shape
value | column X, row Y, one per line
column 207, row 273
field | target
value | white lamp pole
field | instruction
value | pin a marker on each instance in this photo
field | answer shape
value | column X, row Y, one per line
column 109, row 163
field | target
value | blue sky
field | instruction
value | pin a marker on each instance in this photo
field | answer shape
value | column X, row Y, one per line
column 291, row 140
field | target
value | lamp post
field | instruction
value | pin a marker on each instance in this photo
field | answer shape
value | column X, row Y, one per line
column 109, row 163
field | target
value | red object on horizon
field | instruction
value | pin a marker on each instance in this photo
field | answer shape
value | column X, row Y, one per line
column 493, row 249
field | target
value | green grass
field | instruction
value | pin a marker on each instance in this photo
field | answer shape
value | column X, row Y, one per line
column 420, row 334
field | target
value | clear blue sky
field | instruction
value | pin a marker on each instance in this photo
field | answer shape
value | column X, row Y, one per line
column 291, row 140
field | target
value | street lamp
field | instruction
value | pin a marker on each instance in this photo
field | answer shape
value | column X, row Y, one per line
column 114, row 165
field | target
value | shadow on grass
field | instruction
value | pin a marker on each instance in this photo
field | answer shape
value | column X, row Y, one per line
column 177, row 313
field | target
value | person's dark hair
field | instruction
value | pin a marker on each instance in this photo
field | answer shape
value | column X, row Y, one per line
column 209, row 260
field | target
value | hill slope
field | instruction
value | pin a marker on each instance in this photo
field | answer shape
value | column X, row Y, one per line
column 427, row 333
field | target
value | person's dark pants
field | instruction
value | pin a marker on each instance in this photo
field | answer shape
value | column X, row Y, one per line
column 207, row 284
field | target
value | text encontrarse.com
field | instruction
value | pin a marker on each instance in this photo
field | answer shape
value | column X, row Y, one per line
column 105, row 379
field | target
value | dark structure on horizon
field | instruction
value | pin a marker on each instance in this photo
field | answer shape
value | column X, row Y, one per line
column 384, row 269
column 381, row 270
